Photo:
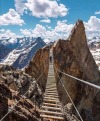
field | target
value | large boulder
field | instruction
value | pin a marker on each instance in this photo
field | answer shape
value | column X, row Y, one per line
column 73, row 57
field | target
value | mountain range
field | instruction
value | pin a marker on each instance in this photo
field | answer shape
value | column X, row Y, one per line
column 94, row 45
column 18, row 52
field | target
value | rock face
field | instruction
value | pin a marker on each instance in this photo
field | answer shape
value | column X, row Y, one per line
column 23, row 111
column 73, row 57
column 38, row 67
column 14, row 83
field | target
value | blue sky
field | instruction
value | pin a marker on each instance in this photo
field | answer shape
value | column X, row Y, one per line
column 51, row 19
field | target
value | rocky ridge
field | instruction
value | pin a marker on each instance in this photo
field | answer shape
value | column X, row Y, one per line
column 73, row 57
column 15, row 86
column 39, row 66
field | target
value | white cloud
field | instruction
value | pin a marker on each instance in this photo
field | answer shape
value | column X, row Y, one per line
column 49, row 27
column 2, row 30
column 61, row 31
column 46, row 8
column 25, row 32
column 7, row 34
column 39, row 30
column 11, row 18
column 20, row 6
column 62, row 26
column 46, row 21
column 92, row 26
column 97, row 12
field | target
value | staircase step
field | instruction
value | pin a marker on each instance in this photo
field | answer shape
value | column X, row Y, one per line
column 51, row 93
column 50, row 85
column 52, row 101
column 50, row 104
column 52, row 117
column 51, row 112
column 52, row 108
column 51, row 90
column 51, row 98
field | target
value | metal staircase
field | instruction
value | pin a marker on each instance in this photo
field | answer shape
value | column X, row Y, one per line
column 51, row 109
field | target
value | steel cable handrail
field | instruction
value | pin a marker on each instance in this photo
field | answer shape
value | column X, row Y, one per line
column 69, row 97
column 83, row 81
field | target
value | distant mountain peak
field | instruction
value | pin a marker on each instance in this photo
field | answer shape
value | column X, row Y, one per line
column 20, row 50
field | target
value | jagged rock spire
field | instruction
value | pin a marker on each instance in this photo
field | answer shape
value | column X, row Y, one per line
column 81, row 50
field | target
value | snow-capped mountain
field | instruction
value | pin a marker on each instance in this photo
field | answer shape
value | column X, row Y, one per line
column 21, row 50
column 94, row 45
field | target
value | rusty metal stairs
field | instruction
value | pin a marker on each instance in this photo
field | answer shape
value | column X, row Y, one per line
column 51, row 109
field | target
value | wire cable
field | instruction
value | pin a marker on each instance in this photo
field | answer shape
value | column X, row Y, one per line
column 83, row 81
column 69, row 97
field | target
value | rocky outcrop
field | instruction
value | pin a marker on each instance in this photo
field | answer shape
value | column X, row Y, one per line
column 23, row 111
column 28, row 84
column 21, row 82
column 73, row 57
column 15, row 79
column 38, row 67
